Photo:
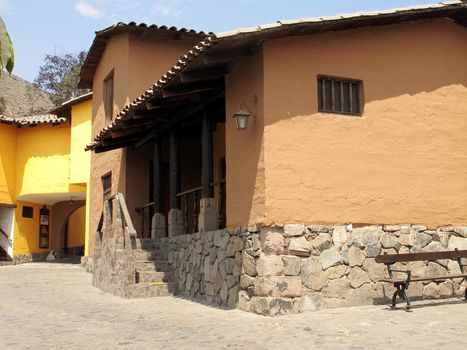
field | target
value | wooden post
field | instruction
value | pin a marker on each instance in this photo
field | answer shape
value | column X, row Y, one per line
column 157, row 176
column 174, row 171
column 207, row 157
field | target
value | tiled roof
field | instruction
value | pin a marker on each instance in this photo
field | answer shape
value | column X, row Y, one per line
column 281, row 28
column 339, row 17
column 32, row 120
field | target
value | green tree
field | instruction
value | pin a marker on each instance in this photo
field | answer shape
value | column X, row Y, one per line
column 59, row 76
column 7, row 54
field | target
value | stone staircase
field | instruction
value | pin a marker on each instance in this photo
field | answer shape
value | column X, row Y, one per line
column 153, row 274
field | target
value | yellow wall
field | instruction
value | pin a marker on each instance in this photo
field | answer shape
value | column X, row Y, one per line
column 26, row 239
column 80, row 161
column 43, row 160
column 8, row 135
column 76, row 228
column 403, row 161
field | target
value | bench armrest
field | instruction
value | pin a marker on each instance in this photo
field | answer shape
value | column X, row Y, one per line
column 408, row 272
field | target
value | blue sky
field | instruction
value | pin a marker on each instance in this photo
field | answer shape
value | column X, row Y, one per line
column 38, row 27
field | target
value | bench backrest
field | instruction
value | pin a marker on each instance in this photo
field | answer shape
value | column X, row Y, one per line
column 394, row 258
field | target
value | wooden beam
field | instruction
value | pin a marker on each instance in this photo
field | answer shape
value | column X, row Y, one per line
column 177, row 118
column 193, row 88
column 212, row 73
column 207, row 157
column 174, row 171
column 227, row 57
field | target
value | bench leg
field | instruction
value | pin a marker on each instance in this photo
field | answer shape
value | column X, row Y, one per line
column 401, row 293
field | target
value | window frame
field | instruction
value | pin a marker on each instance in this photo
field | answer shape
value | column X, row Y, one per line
column 106, row 192
column 360, row 95
column 108, row 96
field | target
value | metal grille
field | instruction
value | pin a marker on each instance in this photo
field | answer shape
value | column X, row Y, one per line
column 341, row 96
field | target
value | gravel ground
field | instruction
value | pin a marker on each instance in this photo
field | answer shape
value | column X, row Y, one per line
column 54, row 306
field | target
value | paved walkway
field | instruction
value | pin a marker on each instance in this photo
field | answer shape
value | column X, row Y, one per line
column 54, row 306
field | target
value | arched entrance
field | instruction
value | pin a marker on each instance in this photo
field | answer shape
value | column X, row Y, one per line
column 68, row 227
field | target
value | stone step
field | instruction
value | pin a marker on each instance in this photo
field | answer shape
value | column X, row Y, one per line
column 148, row 290
column 6, row 263
column 143, row 255
column 147, row 244
column 157, row 265
column 155, row 276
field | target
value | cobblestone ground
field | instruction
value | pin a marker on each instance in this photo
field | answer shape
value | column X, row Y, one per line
column 54, row 306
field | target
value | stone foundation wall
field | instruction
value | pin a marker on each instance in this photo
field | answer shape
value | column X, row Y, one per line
column 207, row 265
column 300, row 268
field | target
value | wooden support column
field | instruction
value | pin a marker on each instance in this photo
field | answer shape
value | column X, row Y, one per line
column 208, row 218
column 157, row 195
column 207, row 157
column 158, row 219
column 176, row 226
column 174, row 171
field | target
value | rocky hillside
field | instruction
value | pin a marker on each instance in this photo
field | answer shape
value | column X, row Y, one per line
column 19, row 97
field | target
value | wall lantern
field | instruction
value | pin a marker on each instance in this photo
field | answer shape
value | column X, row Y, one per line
column 241, row 119
column 243, row 114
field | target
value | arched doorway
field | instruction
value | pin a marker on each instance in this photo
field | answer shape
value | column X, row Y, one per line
column 74, row 232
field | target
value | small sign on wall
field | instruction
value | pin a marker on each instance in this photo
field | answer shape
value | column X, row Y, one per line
column 44, row 228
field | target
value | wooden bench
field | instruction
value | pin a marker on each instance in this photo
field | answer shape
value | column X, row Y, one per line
column 402, row 284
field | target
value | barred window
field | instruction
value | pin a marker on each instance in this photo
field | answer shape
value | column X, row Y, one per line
column 109, row 96
column 340, row 95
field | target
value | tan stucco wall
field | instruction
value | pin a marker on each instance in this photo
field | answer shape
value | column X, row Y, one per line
column 403, row 161
column 245, row 149
column 137, row 64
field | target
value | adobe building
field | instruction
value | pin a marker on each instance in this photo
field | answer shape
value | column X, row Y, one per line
column 268, row 166
column 44, row 176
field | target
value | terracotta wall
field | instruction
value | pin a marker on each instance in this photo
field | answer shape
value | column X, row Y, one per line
column 245, row 149
column 138, row 62
column 403, row 161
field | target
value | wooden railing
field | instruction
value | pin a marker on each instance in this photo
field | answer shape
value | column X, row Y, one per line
column 146, row 213
column 189, row 205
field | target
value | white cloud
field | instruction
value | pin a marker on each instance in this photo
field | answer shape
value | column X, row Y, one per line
column 5, row 6
column 88, row 10
column 169, row 8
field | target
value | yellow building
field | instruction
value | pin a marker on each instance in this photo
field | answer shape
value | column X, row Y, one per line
column 44, row 176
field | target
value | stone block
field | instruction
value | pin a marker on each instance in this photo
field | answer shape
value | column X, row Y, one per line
column 330, row 258
column 322, row 242
column 208, row 218
column 391, row 228
column 356, row 256
column 272, row 241
column 461, row 230
column 269, row 265
column 249, row 265
column 243, row 301
column 233, row 297
column 310, row 302
column 457, row 242
column 278, row 286
column 434, row 247
column 294, row 230
column 336, row 272
column 158, row 226
column 372, row 250
column 319, row 228
column 375, row 271
column 229, row 265
column 388, row 240
column 175, row 221
column 422, row 239
column 338, row 288
column 406, row 239
column 431, row 290
column 357, row 277
column 312, row 274
column 340, row 236
column 300, row 247
column 291, row 265
column 246, row 281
